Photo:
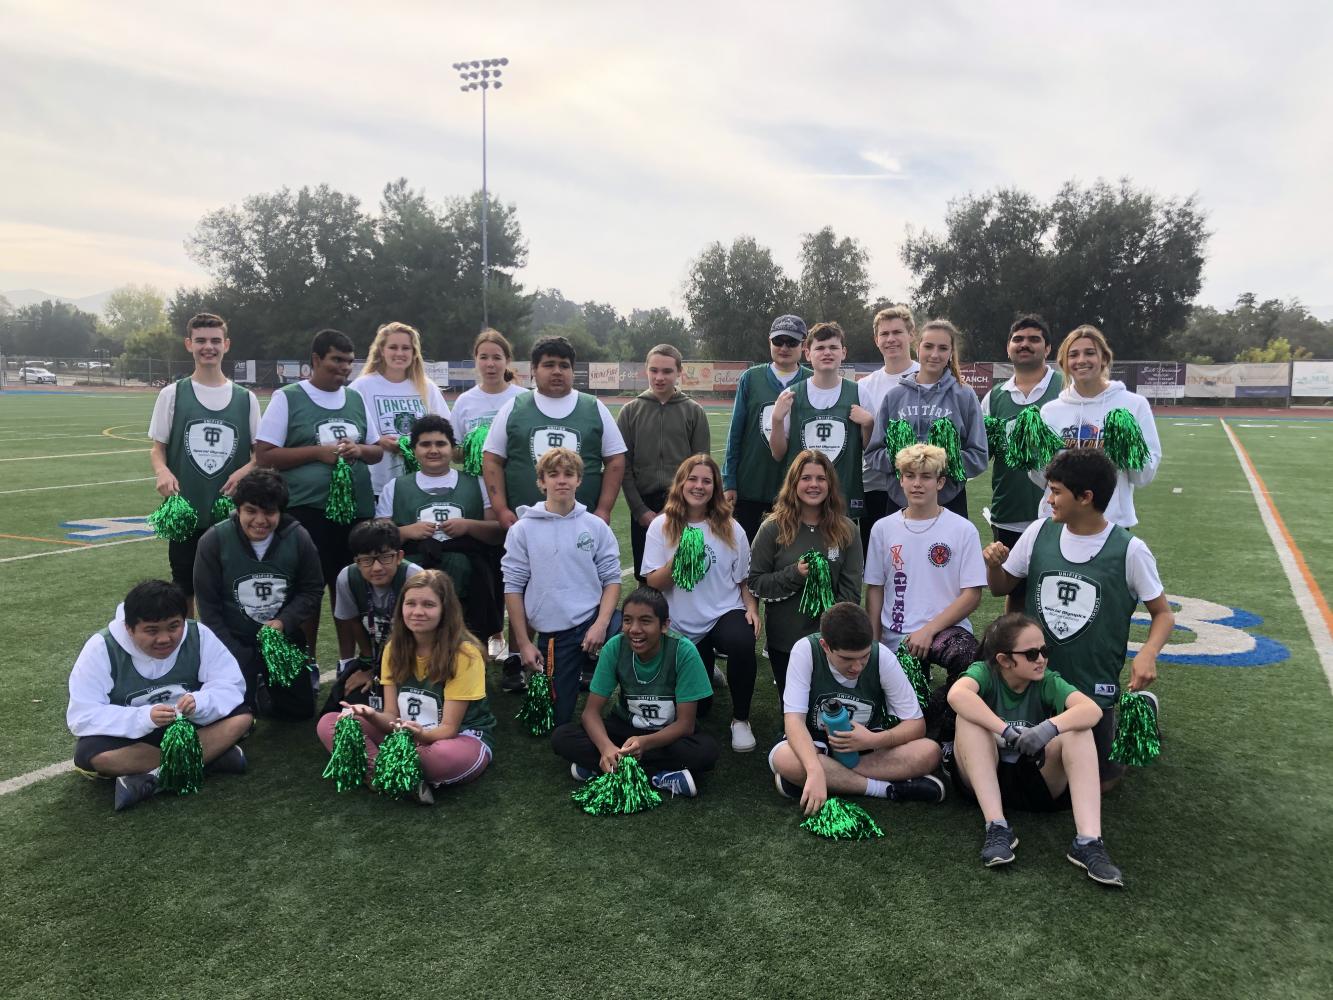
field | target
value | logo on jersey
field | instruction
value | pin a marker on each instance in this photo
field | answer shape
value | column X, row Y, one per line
column 584, row 543
column 439, row 512
column 766, row 422
column 939, row 554
column 825, row 434
column 1067, row 604
column 261, row 595
column 898, row 609
column 210, row 445
column 336, row 430
column 168, row 694
column 421, row 707
column 546, row 438
column 651, row 713
column 397, row 414
column 858, row 708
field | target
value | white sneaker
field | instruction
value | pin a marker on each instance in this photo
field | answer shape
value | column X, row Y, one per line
column 742, row 736
column 497, row 649
column 719, row 678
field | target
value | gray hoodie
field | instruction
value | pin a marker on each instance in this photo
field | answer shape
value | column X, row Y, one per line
column 560, row 564
column 921, row 405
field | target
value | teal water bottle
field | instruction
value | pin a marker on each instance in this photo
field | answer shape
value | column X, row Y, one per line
column 835, row 718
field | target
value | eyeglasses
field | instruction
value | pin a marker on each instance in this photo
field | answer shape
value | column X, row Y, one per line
column 383, row 558
column 786, row 342
column 1033, row 654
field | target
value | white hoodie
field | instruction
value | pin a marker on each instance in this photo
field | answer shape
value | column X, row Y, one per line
column 91, row 713
column 1078, row 419
column 560, row 564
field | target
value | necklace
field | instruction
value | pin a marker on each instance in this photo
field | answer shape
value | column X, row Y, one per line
column 914, row 531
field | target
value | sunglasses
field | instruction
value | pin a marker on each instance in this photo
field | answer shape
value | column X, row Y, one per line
column 787, row 342
column 1033, row 654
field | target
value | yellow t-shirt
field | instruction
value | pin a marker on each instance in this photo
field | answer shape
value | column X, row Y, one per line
column 468, row 682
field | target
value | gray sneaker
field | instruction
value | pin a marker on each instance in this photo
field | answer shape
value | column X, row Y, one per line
column 131, row 789
column 230, row 762
column 998, row 847
column 925, row 789
column 1093, row 859
column 511, row 675
column 424, row 794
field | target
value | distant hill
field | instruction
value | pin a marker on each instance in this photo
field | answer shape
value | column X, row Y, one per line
column 21, row 297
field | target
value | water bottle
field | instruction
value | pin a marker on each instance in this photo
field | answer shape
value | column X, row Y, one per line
column 835, row 718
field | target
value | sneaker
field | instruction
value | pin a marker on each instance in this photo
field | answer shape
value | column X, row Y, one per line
column 497, row 649
column 785, row 788
column 512, row 678
column 1094, row 860
column 1156, row 710
column 580, row 773
column 998, row 847
column 230, row 762
column 131, row 789
column 926, row 789
column 742, row 736
column 424, row 794
column 719, row 678
column 676, row 782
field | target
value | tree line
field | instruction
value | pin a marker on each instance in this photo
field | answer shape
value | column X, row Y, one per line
column 287, row 263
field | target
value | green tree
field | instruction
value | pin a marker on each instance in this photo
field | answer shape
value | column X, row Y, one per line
column 132, row 308
column 603, row 322
column 732, row 296
column 1247, row 330
column 53, row 330
column 833, row 287
column 1277, row 349
column 646, row 329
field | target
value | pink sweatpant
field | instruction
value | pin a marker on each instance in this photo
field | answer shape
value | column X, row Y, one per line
column 445, row 762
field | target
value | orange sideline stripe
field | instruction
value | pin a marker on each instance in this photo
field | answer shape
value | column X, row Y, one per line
column 53, row 541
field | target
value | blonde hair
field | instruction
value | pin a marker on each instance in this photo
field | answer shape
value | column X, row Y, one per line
column 903, row 313
column 493, row 336
column 560, row 460
column 676, row 510
column 416, row 371
column 955, row 343
column 449, row 638
column 927, row 458
column 1085, row 332
column 833, row 527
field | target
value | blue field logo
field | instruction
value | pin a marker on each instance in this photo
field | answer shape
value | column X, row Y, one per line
column 97, row 529
column 1220, row 639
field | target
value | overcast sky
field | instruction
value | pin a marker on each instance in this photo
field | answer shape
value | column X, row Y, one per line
column 631, row 135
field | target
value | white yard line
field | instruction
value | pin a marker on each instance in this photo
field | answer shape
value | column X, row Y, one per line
column 82, row 454
column 89, row 548
column 76, row 486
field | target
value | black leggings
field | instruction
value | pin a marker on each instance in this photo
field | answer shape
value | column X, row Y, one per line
column 733, row 636
column 696, row 752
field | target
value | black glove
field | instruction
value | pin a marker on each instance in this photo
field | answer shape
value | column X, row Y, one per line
column 1032, row 741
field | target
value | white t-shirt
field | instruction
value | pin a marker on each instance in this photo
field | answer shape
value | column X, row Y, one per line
column 923, row 567
column 1019, row 396
column 899, row 697
column 783, row 379
column 695, row 612
column 476, row 406
column 1140, row 564
column 820, row 399
column 382, row 599
column 392, row 408
column 384, row 502
column 872, row 390
column 613, row 442
column 211, row 397
column 273, row 428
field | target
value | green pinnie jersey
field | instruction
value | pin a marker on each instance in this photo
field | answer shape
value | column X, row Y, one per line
column 1039, row 701
column 309, row 424
column 865, row 702
column 1084, row 609
column 1015, row 498
column 258, row 587
column 377, row 618
column 758, row 475
column 132, row 689
column 207, row 446
column 531, row 434
column 422, row 702
column 412, row 504
column 647, row 703
column 832, row 432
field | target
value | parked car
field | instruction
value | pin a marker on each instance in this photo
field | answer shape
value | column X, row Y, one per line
column 36, row 375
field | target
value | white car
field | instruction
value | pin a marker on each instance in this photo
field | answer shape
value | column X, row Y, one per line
column 34, row 374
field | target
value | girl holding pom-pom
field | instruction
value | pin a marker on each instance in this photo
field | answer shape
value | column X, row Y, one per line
column 433, row 676
column 697, row 554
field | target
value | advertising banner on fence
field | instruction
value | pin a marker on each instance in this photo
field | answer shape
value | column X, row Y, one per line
column 632, row 379
column 1160, row 379
column 698, row 376
column 1312, row 378
column 727, row 375
column 437, row 372
column 977, row 376
column 603, row 375
column 1236, row 381
column 293, row 371
column 243, row 372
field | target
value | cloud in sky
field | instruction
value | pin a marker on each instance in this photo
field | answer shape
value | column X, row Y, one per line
column 630, row 137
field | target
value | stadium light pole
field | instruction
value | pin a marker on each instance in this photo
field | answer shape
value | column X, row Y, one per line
column 483, row 75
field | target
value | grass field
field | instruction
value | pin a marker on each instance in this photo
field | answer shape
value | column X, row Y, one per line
column 272, row 885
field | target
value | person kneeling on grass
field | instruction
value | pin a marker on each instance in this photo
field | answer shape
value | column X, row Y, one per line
column 133, row 677
column 662, row 679
column 434, row 681
column 841, row 663
column 1024, row 741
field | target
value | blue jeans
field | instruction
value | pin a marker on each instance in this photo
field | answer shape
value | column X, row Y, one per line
column 570, row 662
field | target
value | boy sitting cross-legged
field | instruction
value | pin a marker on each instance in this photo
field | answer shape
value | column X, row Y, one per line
column 661, row 679
column 843, row 663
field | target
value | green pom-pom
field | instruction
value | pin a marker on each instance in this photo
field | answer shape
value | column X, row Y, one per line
column 472, row 447
column 898, row 434
column 1122, row 440
column 1032, row 443
column 182, row 769
column 175, row 519
column 625, row 790
column 340, row 507
column 285, row 661
column 916, row 675
column 997, row 438
column 839, row 820
column 817, row 596
column 943, row 434
column 222, row 508
column 537, row 713
column 347, row 763
column 691, row 560
column 1137, row 741
column 409, row 456
column 397, row 765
